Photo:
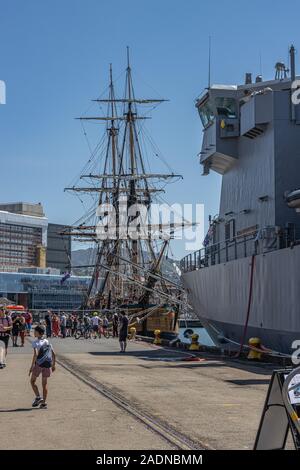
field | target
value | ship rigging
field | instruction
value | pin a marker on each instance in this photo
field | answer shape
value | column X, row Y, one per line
column 126, row 270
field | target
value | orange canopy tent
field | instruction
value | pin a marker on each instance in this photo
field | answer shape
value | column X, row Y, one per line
column 15, row 307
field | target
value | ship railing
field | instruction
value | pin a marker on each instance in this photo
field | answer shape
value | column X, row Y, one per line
column 239, row 247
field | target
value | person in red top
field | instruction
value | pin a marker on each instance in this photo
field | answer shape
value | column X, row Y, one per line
column 28, row 320
column 5, row 328
column 55, row 325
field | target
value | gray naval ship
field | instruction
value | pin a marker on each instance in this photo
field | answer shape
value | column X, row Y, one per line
column 245, row 281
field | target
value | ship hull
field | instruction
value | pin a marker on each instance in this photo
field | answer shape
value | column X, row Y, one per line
column 219, row 295
column 279, row 341
column 164, row 319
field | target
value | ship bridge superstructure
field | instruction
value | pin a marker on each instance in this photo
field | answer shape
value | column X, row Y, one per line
column 229, row 112
column 251, row 136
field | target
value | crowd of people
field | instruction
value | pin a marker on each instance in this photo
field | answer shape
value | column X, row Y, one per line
column 16, row 325
column 89, row 325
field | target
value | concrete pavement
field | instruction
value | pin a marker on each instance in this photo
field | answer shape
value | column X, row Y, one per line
column 77, row 417
column 213, row 402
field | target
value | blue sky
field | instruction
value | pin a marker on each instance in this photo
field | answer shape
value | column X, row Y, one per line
column 54, row 58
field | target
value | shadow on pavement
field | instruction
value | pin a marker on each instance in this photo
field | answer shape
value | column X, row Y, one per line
column 249, row 382
column 177, row 358
column 142, row 354
column 14, row 410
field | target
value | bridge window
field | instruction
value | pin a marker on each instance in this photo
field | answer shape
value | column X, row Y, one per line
column 230, row 230
column 206, row 113
column 226, row 107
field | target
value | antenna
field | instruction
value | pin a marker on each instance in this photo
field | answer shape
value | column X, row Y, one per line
column 209, row 60
column 292, row 62
column 260, row 63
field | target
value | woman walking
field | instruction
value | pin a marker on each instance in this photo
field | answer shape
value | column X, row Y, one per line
column 115, row 323
column 123, row 331
column 5, row 329
column 16, row 324
column 22, row 330
column 48, row 325
column 55, row 325
column 75, row 324
column 69, row 325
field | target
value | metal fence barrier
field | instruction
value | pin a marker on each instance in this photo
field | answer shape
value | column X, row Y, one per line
column 239, row 247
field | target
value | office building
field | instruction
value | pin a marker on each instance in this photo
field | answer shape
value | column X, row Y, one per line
column 27, row 239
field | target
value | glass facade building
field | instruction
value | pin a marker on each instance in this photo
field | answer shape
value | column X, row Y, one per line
column 18, row 244
column 23, row 240
column 43, row 291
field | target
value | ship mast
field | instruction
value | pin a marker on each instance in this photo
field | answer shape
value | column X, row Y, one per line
column 124, row 176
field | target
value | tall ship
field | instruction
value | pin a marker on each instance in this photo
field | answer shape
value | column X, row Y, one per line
column 244, row 282
column 129, row 249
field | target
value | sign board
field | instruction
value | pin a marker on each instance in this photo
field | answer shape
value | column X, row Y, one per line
column 275, row 422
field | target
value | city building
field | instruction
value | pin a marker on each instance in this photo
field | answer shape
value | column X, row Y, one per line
column 23, row 240
column 27, row 239
column 58, row 254
column 23, row 208
column 35, row 260
column 39, row 291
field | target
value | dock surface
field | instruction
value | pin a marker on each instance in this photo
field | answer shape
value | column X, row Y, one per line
column 149, row 398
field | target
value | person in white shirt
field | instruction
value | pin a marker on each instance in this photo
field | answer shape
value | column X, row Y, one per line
column 63, row 324
column 95, row 324
column 43, row 362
